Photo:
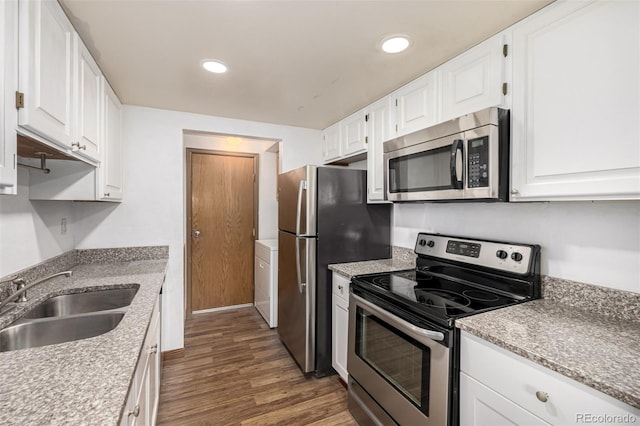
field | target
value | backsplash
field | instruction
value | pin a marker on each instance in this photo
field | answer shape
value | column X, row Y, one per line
column 618, row 304
column 77, row 257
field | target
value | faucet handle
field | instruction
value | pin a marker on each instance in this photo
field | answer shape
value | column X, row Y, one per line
column 20, row 284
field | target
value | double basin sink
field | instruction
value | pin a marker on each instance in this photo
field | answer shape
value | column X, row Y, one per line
column 67, row 318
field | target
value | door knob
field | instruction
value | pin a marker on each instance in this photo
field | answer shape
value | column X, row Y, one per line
column 196, row 234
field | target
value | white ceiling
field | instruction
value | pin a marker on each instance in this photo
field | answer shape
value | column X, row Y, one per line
column 300, row 63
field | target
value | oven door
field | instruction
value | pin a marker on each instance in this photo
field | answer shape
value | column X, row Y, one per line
column 431, row 170
column 404, row 369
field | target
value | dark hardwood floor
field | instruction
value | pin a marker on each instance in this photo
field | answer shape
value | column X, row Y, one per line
column 235, row 371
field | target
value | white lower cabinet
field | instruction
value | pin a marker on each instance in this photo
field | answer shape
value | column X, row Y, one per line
column 498, row 387
column 142, row 402
column 340, row 324
column 576, row 103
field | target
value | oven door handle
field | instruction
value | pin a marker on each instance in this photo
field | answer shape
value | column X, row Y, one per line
column 398, row 322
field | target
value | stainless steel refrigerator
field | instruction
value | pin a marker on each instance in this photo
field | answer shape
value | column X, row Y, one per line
column 323, row 218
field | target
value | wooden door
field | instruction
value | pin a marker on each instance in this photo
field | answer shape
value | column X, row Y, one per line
column 222, row 230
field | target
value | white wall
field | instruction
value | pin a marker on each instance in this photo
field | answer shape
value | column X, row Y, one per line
column 267, row 173
column 591, row 242
column 30, row 231
column 153, row 208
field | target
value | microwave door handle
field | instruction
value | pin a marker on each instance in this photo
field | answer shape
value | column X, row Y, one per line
column 456, row 164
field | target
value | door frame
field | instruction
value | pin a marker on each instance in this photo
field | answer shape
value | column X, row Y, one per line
column 189, row 154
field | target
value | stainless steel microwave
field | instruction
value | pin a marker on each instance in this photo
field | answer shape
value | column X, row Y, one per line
column 463, row 159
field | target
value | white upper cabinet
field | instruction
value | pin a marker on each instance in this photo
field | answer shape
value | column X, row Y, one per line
column 46, row 71
column 576, row 103
column 474, row 80
column 416, row 104
column 378, row 130
column 353, row 134
column 88, row 103
column 111, row 177
column 8, row 86
column 331, row 143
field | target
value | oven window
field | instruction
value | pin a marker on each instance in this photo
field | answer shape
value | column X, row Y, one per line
column 422, row 171
column 399, row 359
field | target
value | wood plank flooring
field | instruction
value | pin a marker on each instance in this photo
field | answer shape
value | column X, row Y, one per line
column 235, row 371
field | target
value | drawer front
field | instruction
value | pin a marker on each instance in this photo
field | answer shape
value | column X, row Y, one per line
column 526, row 383
column 341, row 286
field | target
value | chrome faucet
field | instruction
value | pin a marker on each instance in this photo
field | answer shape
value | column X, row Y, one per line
column 20, row 295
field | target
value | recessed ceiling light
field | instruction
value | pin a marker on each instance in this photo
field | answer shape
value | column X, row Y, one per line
column 216, row 67
column 395, row 44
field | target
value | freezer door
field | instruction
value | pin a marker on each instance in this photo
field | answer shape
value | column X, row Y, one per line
column 296, row 297
column 297, row 201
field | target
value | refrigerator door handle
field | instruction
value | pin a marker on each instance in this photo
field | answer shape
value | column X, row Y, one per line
column 301, row 285
column 302, row 187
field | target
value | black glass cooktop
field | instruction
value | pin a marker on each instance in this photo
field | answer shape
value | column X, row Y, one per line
column 437, row 297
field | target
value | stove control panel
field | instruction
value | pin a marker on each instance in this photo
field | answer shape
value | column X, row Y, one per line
column 516, row 258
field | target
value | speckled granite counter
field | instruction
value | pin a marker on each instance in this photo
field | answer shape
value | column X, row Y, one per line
column 595, row 341
column 403, row 258
column 85, row 381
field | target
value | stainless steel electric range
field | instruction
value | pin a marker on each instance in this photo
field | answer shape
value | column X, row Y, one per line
column 403, row 355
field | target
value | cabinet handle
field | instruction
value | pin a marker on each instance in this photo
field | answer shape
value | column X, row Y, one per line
column 153, row 349
column 542, row 396
column 515, row 191
column 107, row 194
column 134, row 412
column 340, row 287
column 78, row 146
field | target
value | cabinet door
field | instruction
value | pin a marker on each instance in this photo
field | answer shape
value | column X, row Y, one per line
column 88, row 103
column 473, row 80
column 46, row 71
column 378, row 131
column 331, row 147
column 340, row 321
column 111, row 170
column 481, row 406
column 8, row 86
column 576, row 103
column 353, row 134
column 416, row 104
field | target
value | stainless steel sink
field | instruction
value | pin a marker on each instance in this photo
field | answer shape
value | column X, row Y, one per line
column 57, row 330
column 80, row 303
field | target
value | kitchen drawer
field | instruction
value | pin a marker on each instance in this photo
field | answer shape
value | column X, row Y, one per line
column 341, row 286
column 519, row 379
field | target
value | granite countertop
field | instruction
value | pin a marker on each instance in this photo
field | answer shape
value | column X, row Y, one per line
column 84, row 381
column 402, row 258
column 599, row 346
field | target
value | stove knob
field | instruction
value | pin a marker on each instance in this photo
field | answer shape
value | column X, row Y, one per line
column 502, row 254
column 422, row 242
column 516, row 256
column 431, row 243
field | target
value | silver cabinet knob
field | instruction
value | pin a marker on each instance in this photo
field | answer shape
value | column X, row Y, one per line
column 196, row 234
column 78, row 147
column 542, row 396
